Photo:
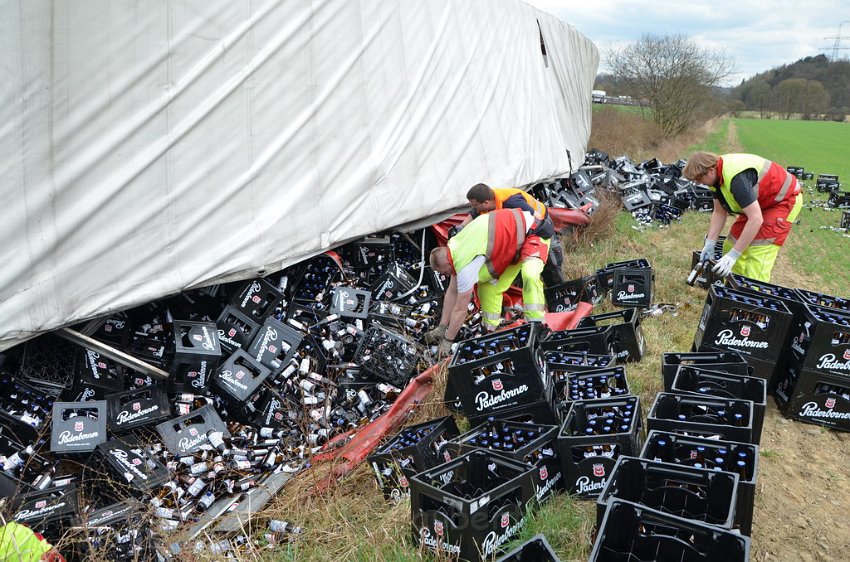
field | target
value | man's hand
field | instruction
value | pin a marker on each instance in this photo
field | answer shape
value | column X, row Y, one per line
column 707, row 250
column 435, row 335
column 725, row 264
column 445, row 348
column 454, row 230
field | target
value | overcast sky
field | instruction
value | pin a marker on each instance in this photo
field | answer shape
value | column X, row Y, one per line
column 759, row 35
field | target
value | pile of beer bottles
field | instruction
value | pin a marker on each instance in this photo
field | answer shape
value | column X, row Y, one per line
column 549, row 410
column 108, row 458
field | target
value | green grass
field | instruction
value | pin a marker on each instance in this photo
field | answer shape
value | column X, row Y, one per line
column 632, row 109
column 715, row 141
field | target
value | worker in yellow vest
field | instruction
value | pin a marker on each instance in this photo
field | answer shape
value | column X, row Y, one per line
column 489, row 252
column 765, row 197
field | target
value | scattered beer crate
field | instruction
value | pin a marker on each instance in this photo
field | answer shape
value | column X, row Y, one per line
column 845, row 220
column 820, row 341
column 194, row 354
column 78, row 427
column 597, row 340
column 387, row 355
column 698, row 494
column 575, row 361
column 586, row 386
column 815, row 397
column 535, row 549
column 136, row 408
column 256, row 299
column 633, row 287
column 822, row 299
column 606, row 274
column 567, row 295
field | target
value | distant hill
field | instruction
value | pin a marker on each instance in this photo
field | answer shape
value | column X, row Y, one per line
column 813, row 88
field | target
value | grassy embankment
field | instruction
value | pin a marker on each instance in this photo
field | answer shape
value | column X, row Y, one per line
column 352, row 522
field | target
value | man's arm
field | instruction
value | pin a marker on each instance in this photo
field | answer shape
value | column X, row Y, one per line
column 458, row 314
column 449, row 301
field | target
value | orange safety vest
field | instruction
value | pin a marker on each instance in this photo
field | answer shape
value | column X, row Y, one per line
column 498, row 236
column 504, row 193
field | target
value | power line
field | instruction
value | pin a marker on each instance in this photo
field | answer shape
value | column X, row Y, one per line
column 837, row 44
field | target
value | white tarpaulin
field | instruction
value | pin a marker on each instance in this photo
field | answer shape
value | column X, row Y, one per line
column 150, row 147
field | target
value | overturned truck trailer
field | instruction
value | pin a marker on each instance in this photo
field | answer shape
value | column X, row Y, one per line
column 150, row 148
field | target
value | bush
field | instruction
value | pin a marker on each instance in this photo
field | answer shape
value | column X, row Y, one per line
column 621, row 132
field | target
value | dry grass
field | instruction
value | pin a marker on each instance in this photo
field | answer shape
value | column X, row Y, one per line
column 621, row 132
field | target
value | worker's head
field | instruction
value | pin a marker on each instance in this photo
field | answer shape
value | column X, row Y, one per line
column 701, row 168
column 482, row 198
column 441, row 260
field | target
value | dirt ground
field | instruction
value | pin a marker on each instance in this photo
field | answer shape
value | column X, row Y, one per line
column 803, row 495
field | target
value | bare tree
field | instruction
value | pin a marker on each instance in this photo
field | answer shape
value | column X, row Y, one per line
column 815, row 100
column 789, row 95
column 760, row 98
column 675, row 75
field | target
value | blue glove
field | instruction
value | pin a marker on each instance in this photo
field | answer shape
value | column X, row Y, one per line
column 725, row 264
column 708, row 250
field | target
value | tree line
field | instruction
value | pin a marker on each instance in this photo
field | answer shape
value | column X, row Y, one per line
column 680, row 83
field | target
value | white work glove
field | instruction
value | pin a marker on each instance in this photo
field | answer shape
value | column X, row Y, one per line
column 708, row 250
column 445, row 348
column 725, row 264
column 435, row 335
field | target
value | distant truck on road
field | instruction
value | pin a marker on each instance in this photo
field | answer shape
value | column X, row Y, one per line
column 598, row 96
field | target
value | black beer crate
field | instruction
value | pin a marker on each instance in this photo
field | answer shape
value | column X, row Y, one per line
column 390, row 314
column 845, row 220
column 575, row 361
column 349, row 302
column 387, row 355
column 796, row 170
column 827, row 182
column 696, row 380
column 838, row 198
column 239, row 376
column 730, row 456
column 274, row 344
column 394, row 283
column 586, row 386
column 128, row 462
column 235, row 329
column 629, row 343
column 815, row 397
column 633, row 287
column 519, row 342
column 606, row 274
column 723, row 361
column 567, row 295
column 24, row 423
column 821, row 299
column 535, row 549
column 702, row 415
column 16, row 480
column 598, row 340
column 78, row 427
column 256, row 299
column 756, row 327
column 189, row 433
column 530, row 443
column 136, row 408
column 97, row 376
column 588, row 450
column 820, row 341
column 373, row 251
column 698, row 494
column 540, row 411
column 49, row 512
column 706, row 277
column 315, row 278
column 790, row 297
column 193, row 353
column 470, row 506
column 414, row 449
column 633, row 532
